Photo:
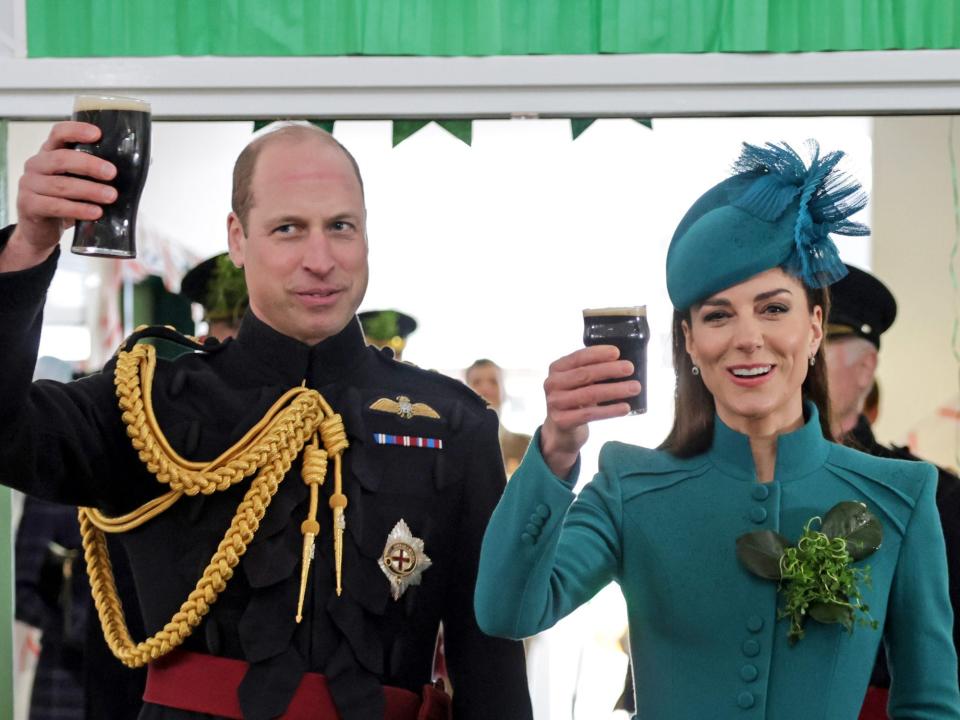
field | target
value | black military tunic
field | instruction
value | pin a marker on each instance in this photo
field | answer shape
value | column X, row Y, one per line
column 67, row 443
column 948, row 504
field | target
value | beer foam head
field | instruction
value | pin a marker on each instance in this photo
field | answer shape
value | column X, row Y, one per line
column 88, row 103
column 632, row 311
column 776, row 210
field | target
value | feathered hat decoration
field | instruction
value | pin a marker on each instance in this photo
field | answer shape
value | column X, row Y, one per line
column 775, row 211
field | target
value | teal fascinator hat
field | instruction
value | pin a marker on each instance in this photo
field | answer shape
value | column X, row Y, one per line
column 774, row 211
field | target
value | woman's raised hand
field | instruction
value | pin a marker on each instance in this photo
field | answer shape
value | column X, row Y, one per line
column 574, row 388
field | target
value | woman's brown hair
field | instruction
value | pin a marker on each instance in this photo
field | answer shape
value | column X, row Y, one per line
column 694, row 408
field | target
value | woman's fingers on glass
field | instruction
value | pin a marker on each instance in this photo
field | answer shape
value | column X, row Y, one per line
column 582, row 416
column 585, row 356
column 592, row 395
column 585, row 375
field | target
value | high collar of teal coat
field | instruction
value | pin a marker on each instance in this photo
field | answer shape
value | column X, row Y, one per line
column 799, row 453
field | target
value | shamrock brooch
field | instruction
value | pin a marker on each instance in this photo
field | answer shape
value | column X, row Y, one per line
column 816, row 575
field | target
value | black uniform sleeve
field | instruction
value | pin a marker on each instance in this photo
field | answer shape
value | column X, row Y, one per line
column 488, row 674
column 53, row 436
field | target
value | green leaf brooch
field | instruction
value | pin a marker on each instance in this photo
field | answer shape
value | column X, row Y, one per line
column 815, row 575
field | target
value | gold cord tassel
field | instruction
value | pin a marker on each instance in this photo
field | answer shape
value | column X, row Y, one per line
column 314, row 472
column 335, row 442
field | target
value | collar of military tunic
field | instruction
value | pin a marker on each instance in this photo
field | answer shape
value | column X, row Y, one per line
column 799, row 453
column 291, row 361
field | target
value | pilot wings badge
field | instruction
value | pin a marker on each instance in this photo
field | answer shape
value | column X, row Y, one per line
column 403, row 560
column 405, row 408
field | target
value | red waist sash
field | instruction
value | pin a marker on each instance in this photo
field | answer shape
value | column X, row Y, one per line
column 208, row 684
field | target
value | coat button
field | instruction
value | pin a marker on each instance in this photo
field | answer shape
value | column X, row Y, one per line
column 537, row 520
column 532, row 529
column 760, row 492
column 755, row 623
column 527, row 538
column 758, row 514
column 543, row 511
column 745, row 700
column 751, row 648
column 748, row 673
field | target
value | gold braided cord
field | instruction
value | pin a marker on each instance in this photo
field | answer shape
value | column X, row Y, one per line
column 267, row 450
column 123, row 523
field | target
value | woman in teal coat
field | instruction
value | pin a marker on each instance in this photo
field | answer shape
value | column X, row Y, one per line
column 732, row 614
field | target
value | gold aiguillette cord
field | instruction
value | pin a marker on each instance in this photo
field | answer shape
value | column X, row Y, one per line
column 314, row 471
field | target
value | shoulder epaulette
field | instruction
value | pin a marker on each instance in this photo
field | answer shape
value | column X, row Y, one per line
column 170, row 334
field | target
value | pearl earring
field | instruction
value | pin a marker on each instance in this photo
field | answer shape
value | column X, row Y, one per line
column 695, row 370
column 813, row 360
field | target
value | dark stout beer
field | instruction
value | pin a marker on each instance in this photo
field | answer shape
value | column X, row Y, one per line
column 626, row 328
column 125, row 141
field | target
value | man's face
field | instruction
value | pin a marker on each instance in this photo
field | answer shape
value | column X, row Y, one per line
column 304, row 248
column 484, row 380
column 851, row 366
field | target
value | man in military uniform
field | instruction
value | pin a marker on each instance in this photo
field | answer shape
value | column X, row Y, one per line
column 387, row 329
column 862, row 309
column 218, row 286
column 485, row 378
column 316, row 588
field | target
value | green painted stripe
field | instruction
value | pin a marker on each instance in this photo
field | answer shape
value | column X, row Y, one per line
column 105, row 28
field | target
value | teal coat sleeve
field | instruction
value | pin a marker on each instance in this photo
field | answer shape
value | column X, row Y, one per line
column 545, row 553
column 917, row 633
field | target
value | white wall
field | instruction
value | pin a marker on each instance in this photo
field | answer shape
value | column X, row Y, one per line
column 915, row 233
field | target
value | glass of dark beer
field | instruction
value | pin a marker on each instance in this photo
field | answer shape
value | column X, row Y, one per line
column 627, row 329
column 125, row 141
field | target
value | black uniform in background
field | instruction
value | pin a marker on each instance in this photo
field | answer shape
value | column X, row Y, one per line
column 52, row 594
column 948, row 503
column 67, row 443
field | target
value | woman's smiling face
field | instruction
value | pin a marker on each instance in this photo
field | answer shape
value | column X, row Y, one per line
column 753, row 343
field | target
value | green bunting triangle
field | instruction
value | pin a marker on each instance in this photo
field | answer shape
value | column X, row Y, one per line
column 402, row 129
column 578, row 125
column 322, row 124
column 460, row 129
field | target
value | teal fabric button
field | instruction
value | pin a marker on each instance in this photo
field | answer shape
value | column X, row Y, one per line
column 751, row 648
column 745, row 700
column 758, row 514
column 537, row 520
column 527, row 538
column 543, row 511
column 532, row 529
column 760, row 492
column 749, row 673
column 755, row 623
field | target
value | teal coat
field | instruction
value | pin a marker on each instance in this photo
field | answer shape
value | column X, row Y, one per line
column 704, row 635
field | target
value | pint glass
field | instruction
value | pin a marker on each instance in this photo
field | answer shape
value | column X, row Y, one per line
column 124, row 141
column 627, row 329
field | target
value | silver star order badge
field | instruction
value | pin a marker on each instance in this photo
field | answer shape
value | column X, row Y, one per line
column 403, row 560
